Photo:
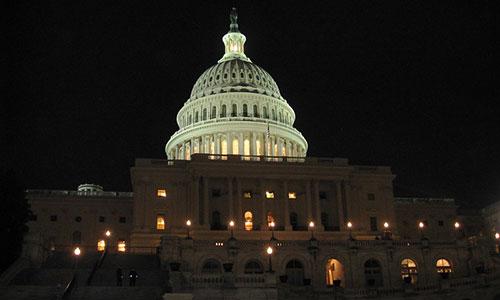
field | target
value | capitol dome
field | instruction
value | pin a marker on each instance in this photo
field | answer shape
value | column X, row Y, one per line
column 236, row 107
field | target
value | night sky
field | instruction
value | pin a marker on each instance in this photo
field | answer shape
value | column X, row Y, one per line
column 409, row 84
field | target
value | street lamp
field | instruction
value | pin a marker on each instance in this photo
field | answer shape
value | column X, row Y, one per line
column 77, row 253
column 188, row 224
column 497, row 236
column 421, row 226
column 311, row 227
column 387, row 233
column 269, row 251
column 108, row 233
column 231, row 227
column 349, row 226
column 271, row 225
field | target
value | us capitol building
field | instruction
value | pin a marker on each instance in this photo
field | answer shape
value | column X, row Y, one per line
column 239, row 211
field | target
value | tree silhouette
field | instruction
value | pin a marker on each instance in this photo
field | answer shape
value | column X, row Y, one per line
column 14, row 213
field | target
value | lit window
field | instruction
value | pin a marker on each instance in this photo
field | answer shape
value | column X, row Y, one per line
column 219, row 244
column 161, row 193
column 409, row 270
column 247, row 195
column 248, row 221
column 292, row 195
column 269, row 194
column 160, row 222
column 270, row 220
column 122, row 247
column 101, row 245
column 443, row 266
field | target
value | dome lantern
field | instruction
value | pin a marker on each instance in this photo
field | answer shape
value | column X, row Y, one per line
column 234, row 40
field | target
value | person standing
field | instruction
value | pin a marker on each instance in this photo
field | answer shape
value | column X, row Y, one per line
column 132, row 277
column 119, row 277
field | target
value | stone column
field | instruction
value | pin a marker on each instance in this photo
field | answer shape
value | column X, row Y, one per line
column 206, row 209
column 253, row 146
column 230, row 197
column 176, row 152
column 217, row 144
column 240, row 221
column 286, row 207
column 308, row 201
column 317, row 204
column 241, row 149
column 280, row 146
column 340, row 207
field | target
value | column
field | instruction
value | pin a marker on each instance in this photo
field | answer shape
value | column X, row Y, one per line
column 230, row 197
column 317, row 205
column 340, row 207
column 206, row 208
column 288, row 149
column 264, row 200
column 194, row 213
column 280, row 146
column 253, row 146
column 346, row 202
column 176, row 152
column 229, row 143
column 240, row 221
column 181, row 152
column 308, row 201
column 217, row 144
column 240, row 144
column 286, row 207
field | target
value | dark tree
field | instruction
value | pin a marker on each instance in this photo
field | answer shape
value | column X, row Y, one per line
column 14, row 213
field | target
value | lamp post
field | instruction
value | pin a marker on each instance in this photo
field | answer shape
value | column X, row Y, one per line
column 108, row 235
column 387, row 233
column 188, row 226
column 421, row 226
column 77, row 253
column 231, row 227
column 271, row 226
column 457, row 226
column 269, row 251
column 311, row 227
column 349, row 226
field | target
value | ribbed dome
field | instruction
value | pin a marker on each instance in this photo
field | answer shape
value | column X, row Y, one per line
column 235, row 75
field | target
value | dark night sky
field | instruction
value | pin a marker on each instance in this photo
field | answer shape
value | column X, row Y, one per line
column 408, row 84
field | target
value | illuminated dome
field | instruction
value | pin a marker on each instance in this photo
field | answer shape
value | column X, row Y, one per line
column 236, row 107
column 235, row 75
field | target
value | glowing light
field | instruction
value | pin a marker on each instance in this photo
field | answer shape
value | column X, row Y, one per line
column 269, row 250
column 188, row 223
column 231, row 223
column 421, row 225
column 101, row 245
column 457, row 225
column 497, row 235
column 269, row 195
column 349, row 225
column 292, row 195
column 122, row 247
column 77, row 251
column 272, row 224
column 311, row 224
column 161, row 193
column 108, row 233
column 386, row 225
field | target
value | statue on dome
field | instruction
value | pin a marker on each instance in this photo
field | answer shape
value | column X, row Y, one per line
column 233, row 17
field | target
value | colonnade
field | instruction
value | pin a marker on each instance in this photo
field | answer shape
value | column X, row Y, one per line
column 239, row 143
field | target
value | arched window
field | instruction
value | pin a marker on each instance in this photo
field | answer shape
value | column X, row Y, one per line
column 160, row 222
column 236, row 148
column 248, row 220
column 204, row 114
column 215, row 223
column 245, row 110
column 373, row 273
column 211, row 266
column 273, row 114
column 295, row 272
column 409, row 270
column 443, row 266
column 189, row 119
column 334, row 273
column 223, row 113
column 234, row 111
column 270, row 218
column 280, row 117
column 101, row 245
column 253, row 267
column 223, row 147
column 264, row 110
column 246, row 147
column 294, row 220
column 214, row 113
column 196, row 117
column 77, row 237
column 255, row 111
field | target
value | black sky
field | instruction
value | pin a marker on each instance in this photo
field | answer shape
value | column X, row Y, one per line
column 410, row 84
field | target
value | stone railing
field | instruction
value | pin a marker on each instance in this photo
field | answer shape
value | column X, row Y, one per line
column 219, row 280
column 80, row 193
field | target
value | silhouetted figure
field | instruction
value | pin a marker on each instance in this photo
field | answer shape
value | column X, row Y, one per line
column 119, row 277
column 132, row 276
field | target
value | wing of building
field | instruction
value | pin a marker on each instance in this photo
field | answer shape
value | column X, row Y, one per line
column 238, row 209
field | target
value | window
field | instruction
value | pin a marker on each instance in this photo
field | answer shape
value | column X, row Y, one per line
column 204, row 114
column 264, row 110
column 196, row 117
column 122, row 220
column 270, row 219
column 76, row 237
column 211, row 266
column 294, row 270
column 443, row 266
column 215, row 223
column 371, row 196
column 248, row 220
column 78, row 219
column 373, row 273
column 373, row 224
column 122, row 246
column 269, row 194
column 325, row 219
column 247, row 194
column 214, row 113
column 253, row 267
column 245, row 110
column 102, row 219
column 322, row 195
column 160, row 222
column 294, row 220
column 223, row 113
column 234, row 111
column 101, row 245
column 440, row 223
column 161, row 193
column 409, row 270
column 292, row 195
column 53, row 218
column 334, row 273
column 216, row 193
column 255, row 111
